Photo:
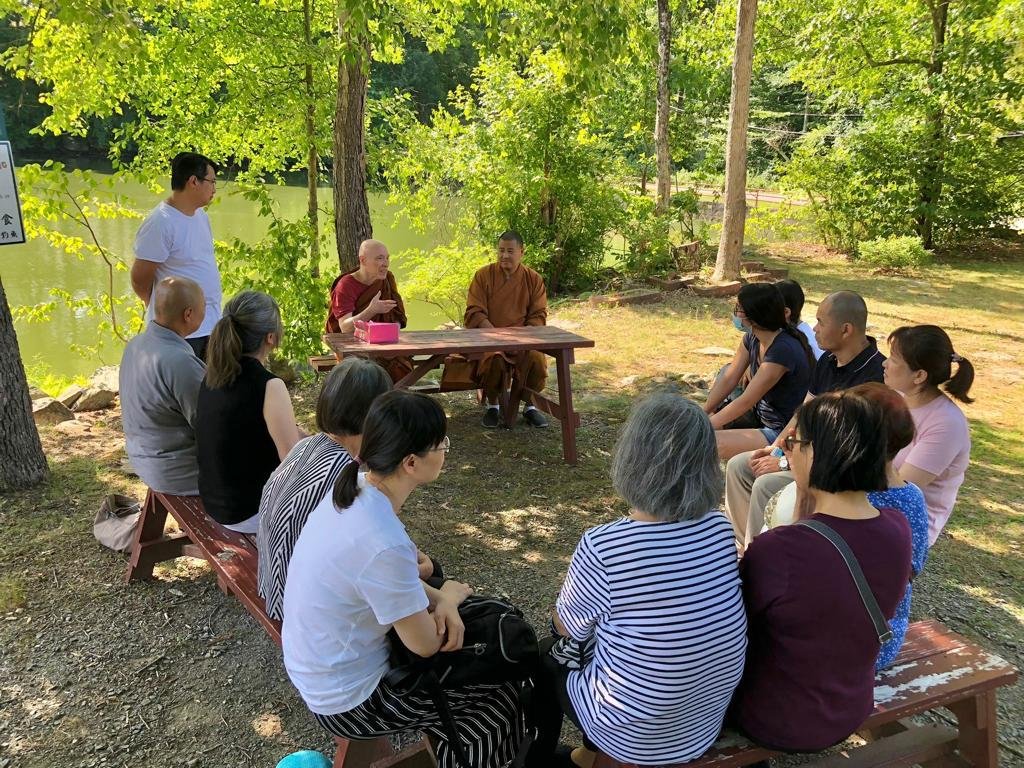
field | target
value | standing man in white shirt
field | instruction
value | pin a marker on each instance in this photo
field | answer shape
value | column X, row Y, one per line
column 176, row 240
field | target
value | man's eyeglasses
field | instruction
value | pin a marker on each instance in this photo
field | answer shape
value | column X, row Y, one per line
column 792, row 441
column 208, row 181
column 445, row 445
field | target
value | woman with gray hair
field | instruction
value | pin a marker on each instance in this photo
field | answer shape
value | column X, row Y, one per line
column 245, row 422
column 651, row 631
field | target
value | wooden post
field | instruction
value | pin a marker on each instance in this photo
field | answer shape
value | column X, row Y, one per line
column 730, row 246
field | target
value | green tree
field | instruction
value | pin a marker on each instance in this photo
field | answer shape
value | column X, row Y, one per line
column 933, row 83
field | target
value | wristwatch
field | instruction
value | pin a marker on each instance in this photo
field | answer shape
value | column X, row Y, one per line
column 783, row 463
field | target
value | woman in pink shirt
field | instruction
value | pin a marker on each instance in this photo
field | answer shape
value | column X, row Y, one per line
column 920, row 359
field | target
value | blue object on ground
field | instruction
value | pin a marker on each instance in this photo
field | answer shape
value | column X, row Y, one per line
column 307, row 758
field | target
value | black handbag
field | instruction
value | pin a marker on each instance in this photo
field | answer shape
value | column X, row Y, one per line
column 498, row 646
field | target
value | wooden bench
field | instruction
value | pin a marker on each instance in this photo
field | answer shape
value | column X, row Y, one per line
column 233, row 558
column 936, row 668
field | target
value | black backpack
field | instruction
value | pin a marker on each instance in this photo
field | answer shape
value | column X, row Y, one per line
column 499, row 646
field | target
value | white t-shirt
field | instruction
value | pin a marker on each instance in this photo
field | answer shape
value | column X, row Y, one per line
column 352, row 575
column 182, row 246
column 808, row 332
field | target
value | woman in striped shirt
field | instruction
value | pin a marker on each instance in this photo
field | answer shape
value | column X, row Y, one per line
column 652, row 632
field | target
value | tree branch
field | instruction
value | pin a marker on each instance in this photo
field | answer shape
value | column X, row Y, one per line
column 872, row 62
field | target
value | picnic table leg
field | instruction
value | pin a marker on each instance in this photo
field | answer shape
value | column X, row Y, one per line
column 359, row 753
column 563, row 358
column 151, row 546
column 976, row 719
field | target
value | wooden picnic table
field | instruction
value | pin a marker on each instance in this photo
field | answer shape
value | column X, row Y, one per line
column 432, row 348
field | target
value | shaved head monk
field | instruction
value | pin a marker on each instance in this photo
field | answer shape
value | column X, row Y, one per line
column 369, row 292
column 159, row 385
column 508, row 294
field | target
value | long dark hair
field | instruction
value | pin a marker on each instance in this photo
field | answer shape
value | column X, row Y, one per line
column 399, row 424
column 246, row 321
column 928, row 348
column 765, row 307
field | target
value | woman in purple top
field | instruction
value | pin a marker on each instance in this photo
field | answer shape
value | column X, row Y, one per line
column 921, row 357
column 901, row 495
column 810, row 669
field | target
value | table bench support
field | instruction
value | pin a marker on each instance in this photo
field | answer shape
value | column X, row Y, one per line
column 976, row 719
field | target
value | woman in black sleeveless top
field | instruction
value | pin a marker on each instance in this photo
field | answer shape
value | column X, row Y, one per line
column 245, row 423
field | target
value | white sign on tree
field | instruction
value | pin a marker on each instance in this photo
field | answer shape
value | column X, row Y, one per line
column 12, row 229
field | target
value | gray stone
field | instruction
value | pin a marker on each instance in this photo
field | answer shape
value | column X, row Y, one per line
column 72, row 428
column 106, row 378
column 715, row 351
column 95, row 399
column 71, row 395
column 49, row 410
column 35, row 393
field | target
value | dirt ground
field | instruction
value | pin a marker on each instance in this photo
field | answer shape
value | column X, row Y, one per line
column 96, row 672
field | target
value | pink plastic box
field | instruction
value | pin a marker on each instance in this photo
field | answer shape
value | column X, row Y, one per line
column 376, row 333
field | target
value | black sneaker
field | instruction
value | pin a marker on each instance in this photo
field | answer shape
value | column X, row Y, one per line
column 492, row 418
column 535, row 418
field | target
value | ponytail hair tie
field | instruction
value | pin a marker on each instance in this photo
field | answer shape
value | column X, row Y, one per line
column 358, row 461
column 955, row 358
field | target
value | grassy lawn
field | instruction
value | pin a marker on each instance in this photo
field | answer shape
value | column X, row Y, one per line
column 505, row 516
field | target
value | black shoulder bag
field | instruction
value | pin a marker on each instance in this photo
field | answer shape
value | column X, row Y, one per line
column 881, row 625
column 498, row 646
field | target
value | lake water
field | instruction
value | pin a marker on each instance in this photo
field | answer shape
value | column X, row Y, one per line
column 31, row 270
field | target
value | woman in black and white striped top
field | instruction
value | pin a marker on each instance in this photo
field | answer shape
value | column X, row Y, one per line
column 308, row 472
column 651, row 607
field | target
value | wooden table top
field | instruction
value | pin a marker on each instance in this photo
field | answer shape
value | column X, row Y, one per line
column 470, row 341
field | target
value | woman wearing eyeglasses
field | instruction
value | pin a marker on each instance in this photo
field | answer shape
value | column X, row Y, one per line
column 353, row 576
column 780, row 363
column 810, row 669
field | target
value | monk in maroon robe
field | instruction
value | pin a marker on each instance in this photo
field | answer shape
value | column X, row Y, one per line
column 369, row 293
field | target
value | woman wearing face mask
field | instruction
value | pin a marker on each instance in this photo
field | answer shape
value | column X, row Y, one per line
column 245, row 422
column 780, row 363
column 920, row 359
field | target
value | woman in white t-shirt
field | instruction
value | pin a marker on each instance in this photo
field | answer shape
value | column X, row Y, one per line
column 353, row 576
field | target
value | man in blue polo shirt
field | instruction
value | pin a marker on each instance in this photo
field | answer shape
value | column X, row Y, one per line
column 851, row 357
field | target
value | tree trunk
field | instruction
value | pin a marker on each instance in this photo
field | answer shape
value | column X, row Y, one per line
column 351, row 208
column 730, row 246
column 22, row 463
column 661, row 148
column 932, row 170
column 313, row 158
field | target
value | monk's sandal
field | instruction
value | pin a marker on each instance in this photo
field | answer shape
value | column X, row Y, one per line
column 535, row 418
column 492, row 418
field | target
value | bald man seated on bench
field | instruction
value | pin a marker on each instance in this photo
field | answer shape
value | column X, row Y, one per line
column 159, row 383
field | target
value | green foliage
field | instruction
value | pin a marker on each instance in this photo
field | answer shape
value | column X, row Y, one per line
column 648, row 249
column 60, row 206
column 520, row 152
column 279, row 265
column 894, row 253
column 41, row 375
column 441, row 277
column 920, row 91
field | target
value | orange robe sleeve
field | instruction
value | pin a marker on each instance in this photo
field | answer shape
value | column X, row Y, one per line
column 478, row 300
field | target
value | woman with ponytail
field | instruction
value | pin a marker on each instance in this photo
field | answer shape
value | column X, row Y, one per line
column 245, row 422
column 353, row 577
column 921, row 358
column 780, row 363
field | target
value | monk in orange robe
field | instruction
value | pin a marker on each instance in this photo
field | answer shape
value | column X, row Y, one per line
column 508, row 294
column 369, row 292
